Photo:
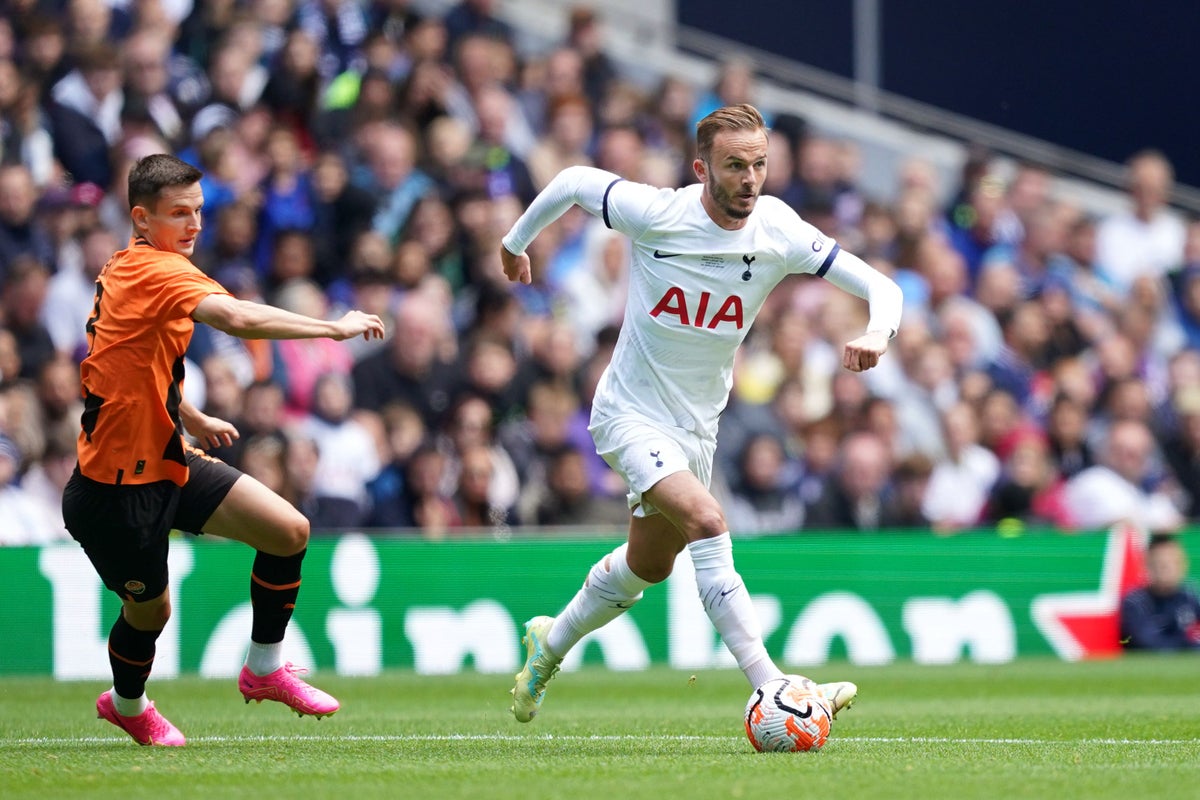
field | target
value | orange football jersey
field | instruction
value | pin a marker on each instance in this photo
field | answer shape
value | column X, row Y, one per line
column 132, row 376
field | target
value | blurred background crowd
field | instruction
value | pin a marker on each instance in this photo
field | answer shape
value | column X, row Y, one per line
column 366, row 155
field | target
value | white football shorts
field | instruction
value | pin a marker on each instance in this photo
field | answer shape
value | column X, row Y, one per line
column 643, row 453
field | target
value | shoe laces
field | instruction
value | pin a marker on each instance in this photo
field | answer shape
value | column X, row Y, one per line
column 544, row 669
column 156, row 724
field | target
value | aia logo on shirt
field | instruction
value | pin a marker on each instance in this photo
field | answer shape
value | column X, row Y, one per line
column 696, row 314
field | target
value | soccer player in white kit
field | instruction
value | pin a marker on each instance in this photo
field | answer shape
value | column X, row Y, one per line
column 705, row 257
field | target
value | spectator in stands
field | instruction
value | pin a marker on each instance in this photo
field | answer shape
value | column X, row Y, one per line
column 146, row 57
column 569, row 500
column 285, row 196
column 303, row 361
column 1164, row 615
column 26, row 522
column 975, row 226
column 1066, row 431
column 392, row 176
column 347, row 459
column 236, row 77
column 999, row 417
column 293, row 90
column 1030, row 489
column 222, row 392
column 429, row 509
column 404, row 432
column 762, row 493
column 21, row 232
column 479, row 62
column 910, row 487
column 469, row 17
column 1181, row 447
column 432, row 226
column 58, row 399
column 470, row 423
column 570, row 127
column 1065, row 337
column 930, row 390
column 491, row 165
column 264, row 458
column 27, row 138
column 961, row 482
column 43, row 482
column 341, row 211
column 300, row 478
column 548, row 425
column 410, row 369
column 547, row 81
column 24, row 293
column 1115, row 490
column 1022, row 356
column 93, row 88
column 474, row 502
column 70, row 294
column 1147, row 238
column 856, row 496
column 336, row 29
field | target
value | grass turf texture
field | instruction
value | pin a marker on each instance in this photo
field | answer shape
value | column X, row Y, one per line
column 1035, row 728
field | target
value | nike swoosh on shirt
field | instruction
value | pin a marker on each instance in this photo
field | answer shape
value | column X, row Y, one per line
column 660, row 254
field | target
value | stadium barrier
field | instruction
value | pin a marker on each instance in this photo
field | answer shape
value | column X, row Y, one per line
column 375, row 603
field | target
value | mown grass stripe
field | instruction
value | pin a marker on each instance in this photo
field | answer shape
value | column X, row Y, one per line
column 500, row 737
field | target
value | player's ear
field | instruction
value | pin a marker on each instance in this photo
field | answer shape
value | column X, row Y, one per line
column 701, row 170
column 140, row 218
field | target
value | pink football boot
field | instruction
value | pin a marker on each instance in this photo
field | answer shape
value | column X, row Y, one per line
column 147, row 728
column 284, row 686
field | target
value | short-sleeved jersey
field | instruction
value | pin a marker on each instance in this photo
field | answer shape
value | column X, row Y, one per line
column 694, row 290
column 132, row 376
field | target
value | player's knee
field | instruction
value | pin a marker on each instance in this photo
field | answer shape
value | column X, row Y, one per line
column 149, row 616
column 707, row 522
column 654, row 570
column 295, row 534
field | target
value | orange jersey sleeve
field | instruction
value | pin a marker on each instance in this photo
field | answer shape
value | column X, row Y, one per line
column 132, row 377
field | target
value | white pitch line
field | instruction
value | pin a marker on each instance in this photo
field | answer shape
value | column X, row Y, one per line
column 500, row 737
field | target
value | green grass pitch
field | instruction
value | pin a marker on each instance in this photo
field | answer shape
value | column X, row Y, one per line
column 1036, row 728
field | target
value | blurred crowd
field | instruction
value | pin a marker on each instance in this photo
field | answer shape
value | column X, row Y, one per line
column 364, row 155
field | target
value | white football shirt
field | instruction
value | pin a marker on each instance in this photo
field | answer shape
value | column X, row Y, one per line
column 694, row 289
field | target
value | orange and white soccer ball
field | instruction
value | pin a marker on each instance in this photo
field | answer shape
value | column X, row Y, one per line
column 788, row 715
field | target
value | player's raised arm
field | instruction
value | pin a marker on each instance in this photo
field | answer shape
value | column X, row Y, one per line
column 250, row 320
column 850, row 273
column 582, row 186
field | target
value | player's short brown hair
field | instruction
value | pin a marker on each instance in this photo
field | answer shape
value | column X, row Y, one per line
column 741, row 117
column 154, row 173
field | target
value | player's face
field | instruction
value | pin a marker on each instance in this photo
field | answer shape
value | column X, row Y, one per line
column 733, row 176
column 174, row 222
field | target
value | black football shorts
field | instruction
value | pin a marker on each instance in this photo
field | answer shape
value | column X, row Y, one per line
column 124, row 529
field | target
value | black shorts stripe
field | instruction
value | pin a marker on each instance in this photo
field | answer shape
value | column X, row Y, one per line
column 604, row 205
column 828, row 262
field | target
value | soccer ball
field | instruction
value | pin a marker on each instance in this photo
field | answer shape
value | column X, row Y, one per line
column 787, row 715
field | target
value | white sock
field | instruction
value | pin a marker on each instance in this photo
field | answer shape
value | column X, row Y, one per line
column 129, row 708
column 263, row 659
column 610, row 590
column 728, row 605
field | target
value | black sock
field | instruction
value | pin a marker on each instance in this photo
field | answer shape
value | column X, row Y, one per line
column 131, row 654
column 274, row 584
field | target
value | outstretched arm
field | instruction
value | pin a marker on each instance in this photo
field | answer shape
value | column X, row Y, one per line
column 250, row 320
column 582, row 186
column 850, row 273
